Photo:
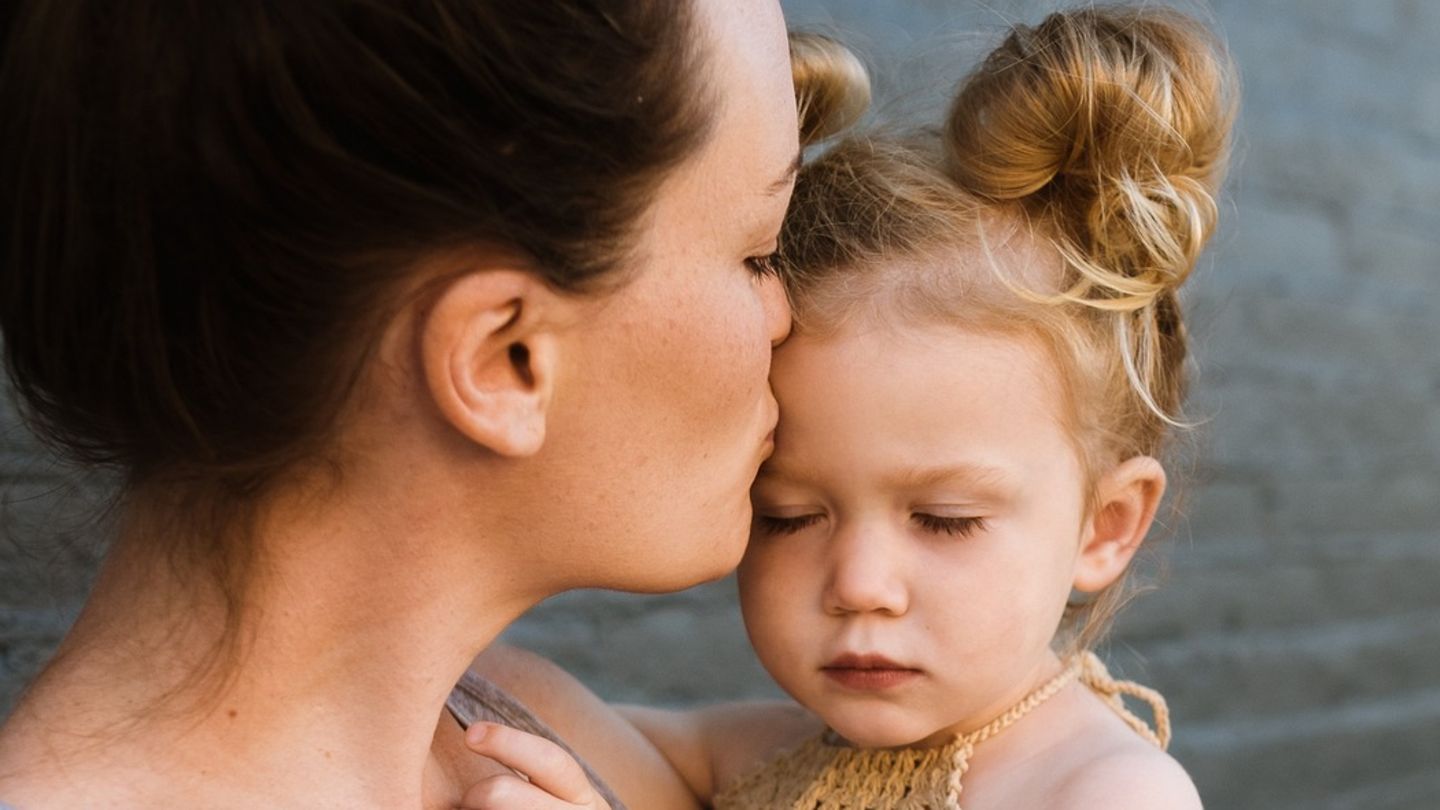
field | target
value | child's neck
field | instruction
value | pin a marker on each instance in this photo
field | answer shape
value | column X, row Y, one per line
column 1045, row 670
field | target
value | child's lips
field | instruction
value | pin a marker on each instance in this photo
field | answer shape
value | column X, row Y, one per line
column 868, row 673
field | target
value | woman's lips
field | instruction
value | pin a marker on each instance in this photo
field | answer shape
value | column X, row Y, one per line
column 868, row 673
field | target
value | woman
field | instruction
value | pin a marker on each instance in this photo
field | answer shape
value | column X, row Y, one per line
column 397, row 318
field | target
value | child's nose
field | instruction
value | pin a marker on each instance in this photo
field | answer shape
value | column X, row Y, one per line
column 865, row 575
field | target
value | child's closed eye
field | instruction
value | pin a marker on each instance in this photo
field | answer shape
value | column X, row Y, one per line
column 771, row 525
column 955, row 526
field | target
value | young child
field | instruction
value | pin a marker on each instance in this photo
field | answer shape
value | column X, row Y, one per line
column 986, row 361
column 987, row 358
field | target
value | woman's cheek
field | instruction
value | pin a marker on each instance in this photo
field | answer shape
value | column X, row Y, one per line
column 731, row 367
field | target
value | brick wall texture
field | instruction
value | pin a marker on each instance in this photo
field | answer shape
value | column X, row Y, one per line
column 1296, row 628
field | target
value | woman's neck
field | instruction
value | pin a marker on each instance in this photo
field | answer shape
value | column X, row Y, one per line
column 351, row 634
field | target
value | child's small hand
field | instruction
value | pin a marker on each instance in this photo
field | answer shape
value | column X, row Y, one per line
column 556, row 780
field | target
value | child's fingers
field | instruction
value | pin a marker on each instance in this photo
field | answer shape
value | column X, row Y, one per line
column 549, row 767
column 510, row 792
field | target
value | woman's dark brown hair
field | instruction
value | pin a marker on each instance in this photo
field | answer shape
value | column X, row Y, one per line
column 205, row 207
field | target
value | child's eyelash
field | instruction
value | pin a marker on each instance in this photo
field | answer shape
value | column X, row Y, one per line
column 959, row 527
column 785, row 525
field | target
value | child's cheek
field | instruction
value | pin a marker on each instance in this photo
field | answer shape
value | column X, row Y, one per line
column 766, row 601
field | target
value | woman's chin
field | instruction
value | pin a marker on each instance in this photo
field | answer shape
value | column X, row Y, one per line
column 727, row 535
column 725, row 558
column 708, row 560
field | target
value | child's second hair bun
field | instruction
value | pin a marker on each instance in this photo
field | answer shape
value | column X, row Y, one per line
column 1109, row 125
column 832, row 87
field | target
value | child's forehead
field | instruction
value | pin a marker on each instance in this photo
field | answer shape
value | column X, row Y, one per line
column 1000, row 276
column 915, row 387
column 887, row 349
column 876, row 372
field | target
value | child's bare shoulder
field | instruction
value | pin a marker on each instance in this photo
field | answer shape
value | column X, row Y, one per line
column 1128, row 774
column 1084, row 757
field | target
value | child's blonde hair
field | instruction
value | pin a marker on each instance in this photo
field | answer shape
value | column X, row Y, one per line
column 1081, row 161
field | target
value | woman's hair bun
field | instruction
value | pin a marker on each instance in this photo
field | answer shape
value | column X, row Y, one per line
column 832, row 87
column 1110, row 126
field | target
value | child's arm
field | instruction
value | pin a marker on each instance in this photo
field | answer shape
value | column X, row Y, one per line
column 551, row 780
column 714, row 746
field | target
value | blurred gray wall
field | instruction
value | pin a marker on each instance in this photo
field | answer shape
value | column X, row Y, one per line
column 1297, row 626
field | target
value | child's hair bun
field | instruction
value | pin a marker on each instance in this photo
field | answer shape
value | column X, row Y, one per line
column 1110, row 126
column 832, row 87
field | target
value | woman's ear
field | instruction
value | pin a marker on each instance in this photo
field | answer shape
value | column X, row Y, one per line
column 1127, row 498
column 489, row 360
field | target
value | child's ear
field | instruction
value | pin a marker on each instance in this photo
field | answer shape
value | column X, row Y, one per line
column 1127, row 498
column 489, row 359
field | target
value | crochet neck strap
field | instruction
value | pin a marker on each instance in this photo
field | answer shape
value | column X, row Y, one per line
column 828, row 774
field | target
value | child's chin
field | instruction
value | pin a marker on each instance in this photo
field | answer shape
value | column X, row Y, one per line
column 870, row 735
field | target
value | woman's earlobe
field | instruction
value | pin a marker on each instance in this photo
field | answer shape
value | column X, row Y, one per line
column 489, row 361
column 1128, row 497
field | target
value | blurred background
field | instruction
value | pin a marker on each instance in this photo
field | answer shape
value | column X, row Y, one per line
column 1296, row 626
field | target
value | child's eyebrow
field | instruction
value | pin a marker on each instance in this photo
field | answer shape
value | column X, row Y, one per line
column 788, row 177
column 770, row 471
column 992, row 480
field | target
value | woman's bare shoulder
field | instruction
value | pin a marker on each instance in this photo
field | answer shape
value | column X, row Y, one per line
column 618, row 752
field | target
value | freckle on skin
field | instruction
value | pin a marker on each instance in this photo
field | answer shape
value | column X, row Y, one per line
column 232, row 713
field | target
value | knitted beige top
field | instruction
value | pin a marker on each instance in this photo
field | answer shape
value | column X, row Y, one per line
column 826, row 774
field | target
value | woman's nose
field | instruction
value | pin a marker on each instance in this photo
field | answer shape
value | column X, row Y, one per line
column 777, row 309
column 865, row 576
